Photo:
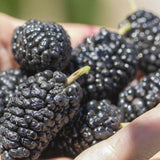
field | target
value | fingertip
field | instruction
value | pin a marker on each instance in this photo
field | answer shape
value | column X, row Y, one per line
column 7, row 26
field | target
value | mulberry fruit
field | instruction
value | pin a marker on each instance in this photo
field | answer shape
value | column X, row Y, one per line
column 9, row 80
column 144, row 34
column 43, row 104
column 141, row 97
column 96, row 121
column 113, row 64
column 38, row 46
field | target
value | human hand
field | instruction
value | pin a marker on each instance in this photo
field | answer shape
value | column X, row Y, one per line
column 138, row 141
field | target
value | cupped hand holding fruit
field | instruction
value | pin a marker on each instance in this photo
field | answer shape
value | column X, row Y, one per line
column 140, row 140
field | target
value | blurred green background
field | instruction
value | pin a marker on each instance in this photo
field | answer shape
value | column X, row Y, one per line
column 96, row 12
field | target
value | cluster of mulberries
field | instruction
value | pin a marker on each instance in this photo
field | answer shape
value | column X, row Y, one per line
column 113, row 64
column 144, row 33
column 36, row 100
column 96, row 121
column 42, row 112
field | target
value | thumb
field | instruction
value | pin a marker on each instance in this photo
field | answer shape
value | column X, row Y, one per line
column 140, row 140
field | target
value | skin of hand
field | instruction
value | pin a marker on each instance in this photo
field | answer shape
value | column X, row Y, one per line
column 140, row 140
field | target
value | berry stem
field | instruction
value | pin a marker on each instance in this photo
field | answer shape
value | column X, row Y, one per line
column 123, row 124
column 124, row 29
column 133, row 5
column 77, row 74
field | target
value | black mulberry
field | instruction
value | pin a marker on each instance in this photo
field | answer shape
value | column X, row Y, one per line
column 39, row 46
column 141, row 97
column 43, row 104
column 113, row 64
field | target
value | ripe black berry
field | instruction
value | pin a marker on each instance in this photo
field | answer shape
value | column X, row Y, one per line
column 137, row 99
column 43, row 104
column 38, row 46
column 113, row 64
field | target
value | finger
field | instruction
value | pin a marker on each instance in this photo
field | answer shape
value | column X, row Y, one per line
column 6, row 60
column 140, row 140
column 78, row 32
column 7, row 25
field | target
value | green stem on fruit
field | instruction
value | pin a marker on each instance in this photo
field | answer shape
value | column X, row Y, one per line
column 133, row 5
column 124, row 29
column 124, row 124
column 77, row 74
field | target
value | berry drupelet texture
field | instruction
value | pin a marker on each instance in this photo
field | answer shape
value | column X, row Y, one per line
column 113, row 64
column 38, row 46
column 9, row 81
column 145, row 27
column 137, row 99
column 96, row 121
column 141, row 19
column 43, row 104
